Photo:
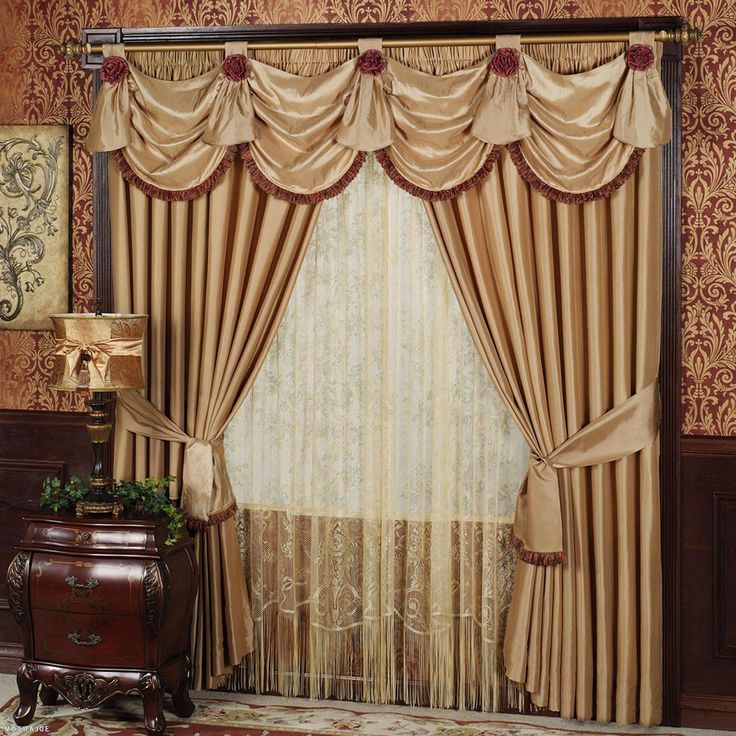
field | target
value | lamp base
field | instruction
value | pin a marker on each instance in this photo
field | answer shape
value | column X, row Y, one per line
column 99, row 502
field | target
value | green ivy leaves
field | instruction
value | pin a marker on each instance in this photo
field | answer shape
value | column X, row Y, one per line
column 148, row 496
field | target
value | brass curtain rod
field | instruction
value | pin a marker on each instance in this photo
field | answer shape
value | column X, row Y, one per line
column 685, row 35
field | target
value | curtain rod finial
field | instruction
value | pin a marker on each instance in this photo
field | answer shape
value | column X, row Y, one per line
column 73, row 47
column 688, row 34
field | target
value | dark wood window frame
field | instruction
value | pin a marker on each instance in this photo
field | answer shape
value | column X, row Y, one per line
column 670, row 359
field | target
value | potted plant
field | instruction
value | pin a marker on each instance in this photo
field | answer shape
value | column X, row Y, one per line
column 147, row 497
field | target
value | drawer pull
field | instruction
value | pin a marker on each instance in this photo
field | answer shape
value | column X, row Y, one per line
column 92, row 640
column 73, row 582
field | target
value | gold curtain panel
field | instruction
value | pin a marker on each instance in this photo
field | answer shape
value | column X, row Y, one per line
column 564, row 303
column 574, row 137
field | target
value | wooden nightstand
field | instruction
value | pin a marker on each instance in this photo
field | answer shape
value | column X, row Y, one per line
column 105, row 609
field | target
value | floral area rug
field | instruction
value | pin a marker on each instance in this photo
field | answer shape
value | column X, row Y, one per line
column 244, row 715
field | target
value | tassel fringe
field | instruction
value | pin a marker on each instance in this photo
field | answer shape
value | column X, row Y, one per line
column 436, row 196
column 536, row 558
column 558, row 195
column 264, row 183
column 201, row 525
column 179, row 195
column 377, row 661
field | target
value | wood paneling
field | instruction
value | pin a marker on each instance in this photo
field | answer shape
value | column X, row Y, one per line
column 708, row 587
column 724, row 574
column 33, row 445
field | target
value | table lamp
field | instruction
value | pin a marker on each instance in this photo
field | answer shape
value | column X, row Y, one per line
column 100, row 353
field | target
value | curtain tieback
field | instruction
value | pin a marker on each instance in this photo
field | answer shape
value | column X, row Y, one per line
column 207, row 495
column 622, row 431
column 205, row 483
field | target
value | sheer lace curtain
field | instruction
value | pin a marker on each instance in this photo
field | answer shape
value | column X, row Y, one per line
column 376, row 470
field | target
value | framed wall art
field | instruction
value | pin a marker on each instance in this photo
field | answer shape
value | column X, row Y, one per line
column 34, row 224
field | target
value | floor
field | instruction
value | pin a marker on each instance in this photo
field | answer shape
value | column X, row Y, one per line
column 8, row 690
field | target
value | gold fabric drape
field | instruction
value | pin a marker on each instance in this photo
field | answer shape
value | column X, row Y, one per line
column 562, row 300
column 564, row 304
column 305, row 137
column 214, row 275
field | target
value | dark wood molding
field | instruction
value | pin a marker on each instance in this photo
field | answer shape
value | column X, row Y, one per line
column 670, row 393
column 707, row 613
column 11, row 655
column 35, row 445
column 338, row 31
column 40, row 419
column 703, row 711
column 702, row 445
column 703, row 702
column 724, row 518
column 101, row 213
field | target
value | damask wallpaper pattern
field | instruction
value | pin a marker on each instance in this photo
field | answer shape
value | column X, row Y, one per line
column 40, row 87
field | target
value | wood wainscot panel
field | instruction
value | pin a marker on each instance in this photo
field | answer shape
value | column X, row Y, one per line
column 33, row 445
column 708, row 611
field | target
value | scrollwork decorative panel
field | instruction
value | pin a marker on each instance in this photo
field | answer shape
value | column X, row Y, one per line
column 34, row 224
column 39, row 86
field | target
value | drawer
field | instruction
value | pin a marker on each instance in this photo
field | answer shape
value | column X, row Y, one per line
column 82, row 639
column 110, row 586
column 79, row 537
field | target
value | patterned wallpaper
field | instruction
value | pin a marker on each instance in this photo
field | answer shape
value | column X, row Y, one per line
column 39, row 86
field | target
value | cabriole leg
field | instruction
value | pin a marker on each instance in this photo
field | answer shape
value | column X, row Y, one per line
column 28, row 690
column 48, row 696
column 183, row 706
column 153, row 703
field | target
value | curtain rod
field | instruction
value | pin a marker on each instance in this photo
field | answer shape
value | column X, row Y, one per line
column 685, row 35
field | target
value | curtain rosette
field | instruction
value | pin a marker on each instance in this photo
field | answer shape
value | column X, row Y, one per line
column 573, row 137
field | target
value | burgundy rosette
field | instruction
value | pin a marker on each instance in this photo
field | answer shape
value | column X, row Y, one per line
column 235, row 67
column 505, row 62
column 371, row 62
column 639, row 57
column 113, row 69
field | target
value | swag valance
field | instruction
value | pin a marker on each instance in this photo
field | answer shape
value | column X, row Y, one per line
column 573, row 137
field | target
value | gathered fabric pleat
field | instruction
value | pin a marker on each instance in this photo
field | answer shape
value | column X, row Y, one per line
column 437, row 115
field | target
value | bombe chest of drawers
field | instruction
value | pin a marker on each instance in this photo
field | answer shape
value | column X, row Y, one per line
column 105, row 608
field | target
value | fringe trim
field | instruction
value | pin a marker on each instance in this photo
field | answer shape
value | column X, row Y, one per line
column 376, row 661
column 536, row 558
column 558, row 195
column 178, row 195
column 201, row 525
column 430, row 195
column 264, row 183
column 260, row 179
